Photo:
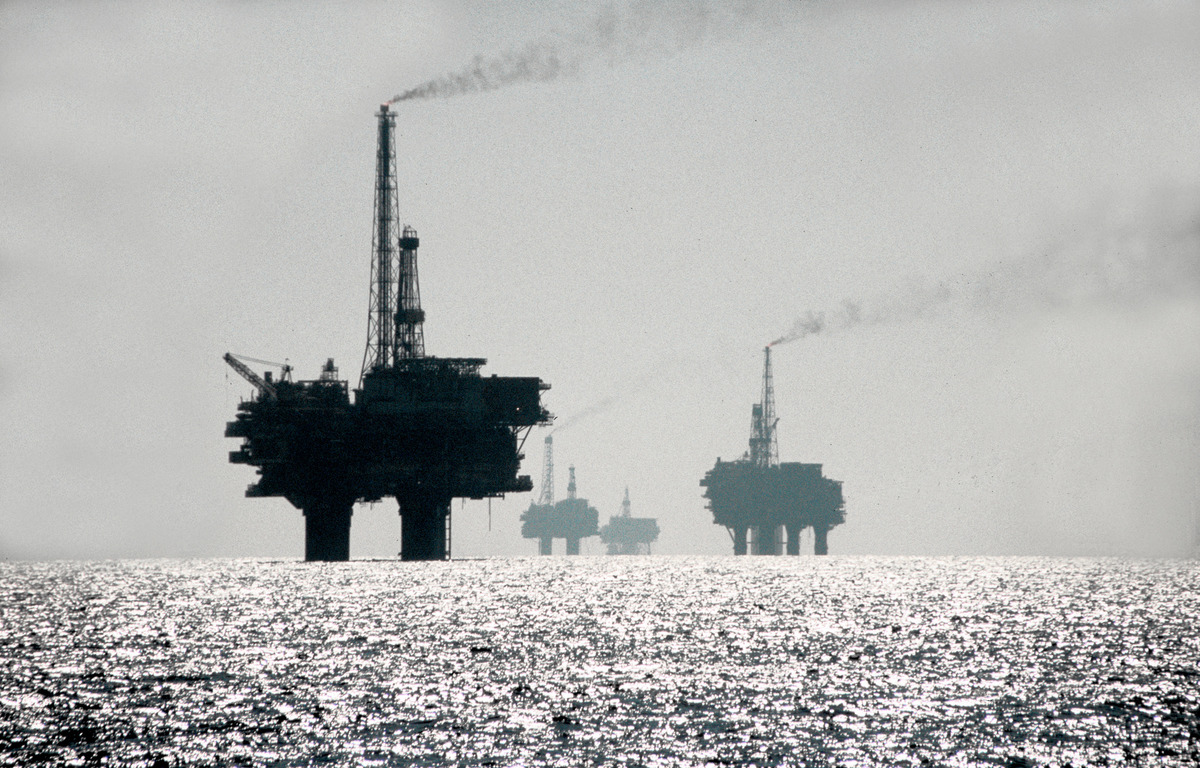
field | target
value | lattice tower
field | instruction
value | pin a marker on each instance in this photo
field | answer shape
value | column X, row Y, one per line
column 380, row 329
column 764, row 447
column 547, row 496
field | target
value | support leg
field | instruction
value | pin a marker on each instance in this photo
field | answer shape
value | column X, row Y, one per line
column 793, row 539
column 423, row 528
column 572, row 545
column 766, row 540
column 327, row 529
column 822, row 544
column 544, row 545
column 739, row 540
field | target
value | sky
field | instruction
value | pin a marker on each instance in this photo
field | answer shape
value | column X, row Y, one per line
column 990, row 209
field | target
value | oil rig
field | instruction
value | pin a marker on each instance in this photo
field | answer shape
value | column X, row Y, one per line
column 571, row 519
column 759, row 496
column 626, row 535
column 421, row 429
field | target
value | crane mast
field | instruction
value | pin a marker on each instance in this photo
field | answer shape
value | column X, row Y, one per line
column 265, row 389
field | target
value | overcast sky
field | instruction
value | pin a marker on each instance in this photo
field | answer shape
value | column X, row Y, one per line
column 994, row 207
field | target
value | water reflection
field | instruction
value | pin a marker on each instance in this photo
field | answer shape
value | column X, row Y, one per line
column 654, row 661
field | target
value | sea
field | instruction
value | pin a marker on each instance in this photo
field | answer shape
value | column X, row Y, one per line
column 602, row 661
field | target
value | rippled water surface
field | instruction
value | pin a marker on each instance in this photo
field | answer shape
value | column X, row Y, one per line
column 590, row 661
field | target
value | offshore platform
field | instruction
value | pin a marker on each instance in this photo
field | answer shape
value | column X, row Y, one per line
column 421, row 429
column 627, row 535
column 571, row 519
column 759, row 496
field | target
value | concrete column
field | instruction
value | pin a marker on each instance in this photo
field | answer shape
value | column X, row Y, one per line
column 822, row 545
column 544, row 544
column 793, row 539
column 327, row 529
column 766, row 540
column 423, row 528
column 739, row 540
column 572, row 545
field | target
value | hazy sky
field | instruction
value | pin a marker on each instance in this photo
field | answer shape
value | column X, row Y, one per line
column 993, row 206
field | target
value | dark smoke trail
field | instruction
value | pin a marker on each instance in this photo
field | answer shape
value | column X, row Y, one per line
column 806, row 325
column 629, row 391
column 533, row 63
column 635, row 30
column 1148, row 255
column 592, row 410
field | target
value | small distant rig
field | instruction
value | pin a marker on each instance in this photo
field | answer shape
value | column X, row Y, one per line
column 762, row 501
column 628, row 535
column 571, row 518
column 421, row 429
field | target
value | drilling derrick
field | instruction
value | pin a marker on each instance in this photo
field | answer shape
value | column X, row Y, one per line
column 761, row 500
column 423, row 430
column 764, row 446
column 628, row 535
column 536, row 522
column 571, row 519
column 547, row 497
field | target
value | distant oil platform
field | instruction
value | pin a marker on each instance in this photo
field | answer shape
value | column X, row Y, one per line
column 762, row 501
column 627, row 535
column 571, row 518
column 421, row 429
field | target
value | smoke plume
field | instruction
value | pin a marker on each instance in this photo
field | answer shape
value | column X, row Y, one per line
column 807, row 324
column 592, row 410
column 533, row 63
column 629, row 390
column 1121, row 259
column 621, row 32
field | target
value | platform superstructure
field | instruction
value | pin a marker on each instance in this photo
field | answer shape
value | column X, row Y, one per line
column 625, row 534
column 572, row 518
column 766, row 504
column 420, row 429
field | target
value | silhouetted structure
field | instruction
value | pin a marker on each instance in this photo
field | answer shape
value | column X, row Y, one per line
column 423, row 430
column 759, row 496
column 536, row 522
column 571, row 519
column 627, row 535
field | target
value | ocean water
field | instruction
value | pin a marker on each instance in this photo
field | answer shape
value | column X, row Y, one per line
column 654, row 661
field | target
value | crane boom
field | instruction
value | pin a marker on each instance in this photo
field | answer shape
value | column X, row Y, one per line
column 265, row 389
